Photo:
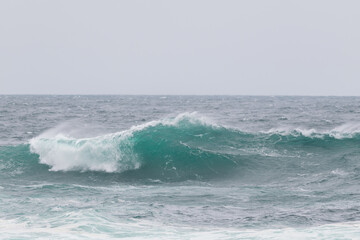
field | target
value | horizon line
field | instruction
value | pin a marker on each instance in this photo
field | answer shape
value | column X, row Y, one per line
column 119, row 94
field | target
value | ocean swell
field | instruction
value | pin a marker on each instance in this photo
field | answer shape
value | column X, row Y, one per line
column 187, row 146
column 168, row 147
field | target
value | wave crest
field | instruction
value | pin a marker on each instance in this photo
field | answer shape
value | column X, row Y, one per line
column 107, row 153
column 344, row 131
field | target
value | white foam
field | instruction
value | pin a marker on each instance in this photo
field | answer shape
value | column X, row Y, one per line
column 144, row 229
column 294, row 131
column 347, row 130
column 189, row 117
column 94, row 154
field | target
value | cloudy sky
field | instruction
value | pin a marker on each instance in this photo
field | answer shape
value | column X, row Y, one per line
column 253, row 47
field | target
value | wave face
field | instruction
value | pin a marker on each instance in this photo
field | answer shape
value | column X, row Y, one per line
column 187, row 147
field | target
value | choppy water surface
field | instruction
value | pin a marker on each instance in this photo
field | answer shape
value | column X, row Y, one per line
column 179, row 167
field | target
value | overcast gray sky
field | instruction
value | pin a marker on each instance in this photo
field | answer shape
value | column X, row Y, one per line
column 253, row 47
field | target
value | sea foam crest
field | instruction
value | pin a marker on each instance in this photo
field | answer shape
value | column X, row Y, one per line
column 109, row 153
column 192, row 118
column 347, row 130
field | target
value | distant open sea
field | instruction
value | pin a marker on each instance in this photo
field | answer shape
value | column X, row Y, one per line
column 179, row 167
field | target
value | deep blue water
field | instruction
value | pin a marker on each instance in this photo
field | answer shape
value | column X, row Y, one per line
column 179, row 167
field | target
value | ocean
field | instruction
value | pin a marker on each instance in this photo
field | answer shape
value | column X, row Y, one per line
column 179, row 167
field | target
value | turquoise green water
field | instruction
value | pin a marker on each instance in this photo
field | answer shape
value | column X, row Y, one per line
column 180, row 167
